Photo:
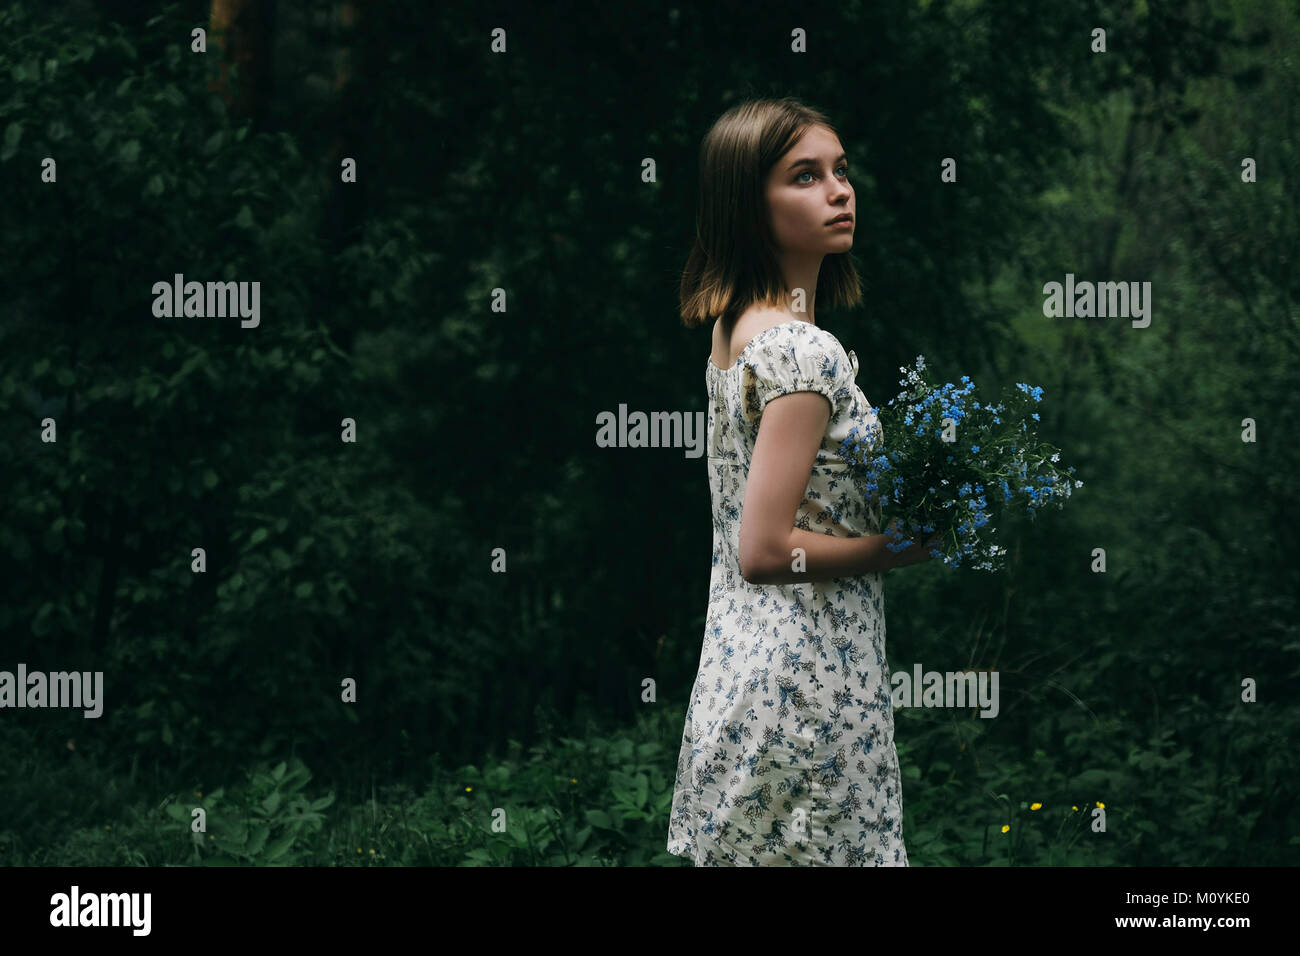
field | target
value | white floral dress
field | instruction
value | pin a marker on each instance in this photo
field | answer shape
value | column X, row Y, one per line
column 787, row 756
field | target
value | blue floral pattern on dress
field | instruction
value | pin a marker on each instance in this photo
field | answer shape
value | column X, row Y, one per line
column 787, row 755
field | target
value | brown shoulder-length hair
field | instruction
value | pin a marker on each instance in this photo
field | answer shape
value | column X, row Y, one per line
column 733, row 262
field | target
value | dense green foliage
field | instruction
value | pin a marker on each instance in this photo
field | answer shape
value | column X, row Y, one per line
column 475, row 428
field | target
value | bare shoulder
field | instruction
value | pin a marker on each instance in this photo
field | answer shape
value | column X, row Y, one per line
column 753, row 321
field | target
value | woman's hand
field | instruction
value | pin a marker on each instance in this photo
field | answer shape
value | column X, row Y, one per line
column 914, row 553
column 934, row 544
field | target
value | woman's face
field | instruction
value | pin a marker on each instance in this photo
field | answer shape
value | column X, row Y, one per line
column 806, row 189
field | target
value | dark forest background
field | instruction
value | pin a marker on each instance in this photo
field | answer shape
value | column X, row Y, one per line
column 475, row 428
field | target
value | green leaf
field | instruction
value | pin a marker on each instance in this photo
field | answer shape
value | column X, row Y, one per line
column 130, row 152
column 210, row 479
column 258, row 839
column 303, row 590
column 296, row 777
column 1091, row 778
column 271, row 802
column 12, row 134
column 155, row 186
column 258, row 536
column 244, row 220
column 278, row 848
column 599, row 818
column 41, row 626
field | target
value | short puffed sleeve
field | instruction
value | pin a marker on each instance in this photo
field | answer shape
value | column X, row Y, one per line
column 796, row 357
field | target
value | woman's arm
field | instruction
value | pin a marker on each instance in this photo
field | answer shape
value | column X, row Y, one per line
column 789, row 434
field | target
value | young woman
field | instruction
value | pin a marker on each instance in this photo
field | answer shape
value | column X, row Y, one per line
column 787, row 756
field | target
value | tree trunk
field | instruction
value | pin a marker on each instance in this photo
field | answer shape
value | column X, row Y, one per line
column 242, row 32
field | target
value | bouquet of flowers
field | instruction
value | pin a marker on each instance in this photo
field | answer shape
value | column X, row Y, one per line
column 945, row 450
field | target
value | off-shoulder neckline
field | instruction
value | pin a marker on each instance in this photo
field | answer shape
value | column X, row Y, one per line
column 750, row 344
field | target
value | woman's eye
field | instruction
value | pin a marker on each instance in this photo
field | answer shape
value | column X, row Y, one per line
column 809, row 173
